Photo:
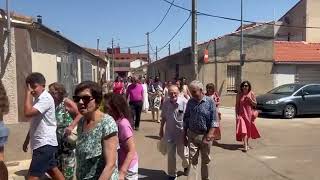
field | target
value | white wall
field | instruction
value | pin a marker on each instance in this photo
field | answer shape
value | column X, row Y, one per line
column 137, row 63
column 283, row 74
column 45, row 64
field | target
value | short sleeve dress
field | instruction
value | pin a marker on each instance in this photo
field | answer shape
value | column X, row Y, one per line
column 89, row 151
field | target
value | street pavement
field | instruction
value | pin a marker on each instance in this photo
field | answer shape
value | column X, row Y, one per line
column 288, row 150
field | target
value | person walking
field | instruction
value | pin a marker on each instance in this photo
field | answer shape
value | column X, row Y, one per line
column 183, row 90
column 211, row 92
column 173, row 110
column 135, row 97
column 97, row 143
column 117, row 107
column 200, row 124
column 156, row 93
column 4, row 131
column 67, row 116
column 145, row 106
column 245, row 115
column 42, row 134
column 118, row 86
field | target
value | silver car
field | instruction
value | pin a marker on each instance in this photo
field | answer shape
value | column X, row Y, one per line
column 290, row 100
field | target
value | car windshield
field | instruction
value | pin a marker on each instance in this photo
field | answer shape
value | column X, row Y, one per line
column 287, row 89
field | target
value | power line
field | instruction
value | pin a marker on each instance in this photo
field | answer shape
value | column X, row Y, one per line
column 177, row 6
column 239, row 20
column 131, row 47
column 175, row 34
column 162, row 18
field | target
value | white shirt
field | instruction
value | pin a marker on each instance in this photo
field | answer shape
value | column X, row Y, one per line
column 43, row 126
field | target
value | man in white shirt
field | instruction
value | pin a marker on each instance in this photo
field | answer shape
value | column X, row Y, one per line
column 42, row 133
column 172, row 116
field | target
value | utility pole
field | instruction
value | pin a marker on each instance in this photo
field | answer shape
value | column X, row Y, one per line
column 169, row 50
column 194, row 38
column 113, row 61
column 148, row 47
column 241, row 38
column 242, row 55
column 156, row 53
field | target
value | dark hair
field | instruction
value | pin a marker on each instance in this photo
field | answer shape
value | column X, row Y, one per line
column 36, row 77
column 60, row 89
column 117, row 102
column 242, row 85
column 4, row 100
column 210, row 86
column 95, row 90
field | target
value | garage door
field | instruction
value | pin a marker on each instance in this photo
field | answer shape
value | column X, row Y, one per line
column 308, row 74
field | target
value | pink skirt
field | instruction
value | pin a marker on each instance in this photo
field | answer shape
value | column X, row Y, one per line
column 246, row 128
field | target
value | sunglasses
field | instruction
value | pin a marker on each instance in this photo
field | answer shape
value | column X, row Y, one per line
column 246, row 85
column 85, row 99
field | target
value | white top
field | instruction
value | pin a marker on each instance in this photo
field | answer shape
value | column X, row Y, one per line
column 43, row 127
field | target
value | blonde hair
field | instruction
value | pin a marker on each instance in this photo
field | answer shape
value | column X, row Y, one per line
column 4, row 100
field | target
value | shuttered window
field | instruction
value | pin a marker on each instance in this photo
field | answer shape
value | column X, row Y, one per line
column 233, row 78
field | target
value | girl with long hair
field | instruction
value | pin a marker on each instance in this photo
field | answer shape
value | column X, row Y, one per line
column 116, row 106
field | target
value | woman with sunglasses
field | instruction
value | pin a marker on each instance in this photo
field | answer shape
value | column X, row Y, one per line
column 245, row 115
column 67, row 116
column 97, row 143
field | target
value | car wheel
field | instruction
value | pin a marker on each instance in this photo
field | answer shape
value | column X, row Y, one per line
column 289, row 111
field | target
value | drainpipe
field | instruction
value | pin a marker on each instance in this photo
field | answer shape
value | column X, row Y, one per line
column 8, row 28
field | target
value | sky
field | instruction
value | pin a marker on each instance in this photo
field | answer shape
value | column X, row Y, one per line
column 127, row 21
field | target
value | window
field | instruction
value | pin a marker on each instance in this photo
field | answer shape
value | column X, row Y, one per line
column 233, row 78
column 177, row 71
column 59, row 69
column 94, row 74
column 312, row 90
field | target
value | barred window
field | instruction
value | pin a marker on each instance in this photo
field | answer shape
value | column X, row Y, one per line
column 233, row 78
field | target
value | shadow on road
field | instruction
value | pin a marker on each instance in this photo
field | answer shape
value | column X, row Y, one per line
column 148, row 120
column 23, row 173
column 150, row 174
column 153, row 137
column 232, row 147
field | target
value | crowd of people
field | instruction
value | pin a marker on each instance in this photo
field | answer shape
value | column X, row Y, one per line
column 91, row 135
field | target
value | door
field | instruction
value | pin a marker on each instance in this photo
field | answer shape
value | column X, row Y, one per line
column 308, row 74
column 311, row 99
column 86, row 69
column 68, row 72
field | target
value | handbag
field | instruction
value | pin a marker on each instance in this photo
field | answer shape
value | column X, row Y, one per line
column 255, row 114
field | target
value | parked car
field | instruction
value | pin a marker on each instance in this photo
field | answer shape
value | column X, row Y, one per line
column 290, row 100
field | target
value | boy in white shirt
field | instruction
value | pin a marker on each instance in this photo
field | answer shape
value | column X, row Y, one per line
column 42, row 133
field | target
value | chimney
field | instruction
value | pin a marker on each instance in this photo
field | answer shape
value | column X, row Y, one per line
column 129, row 51
column 39, row 19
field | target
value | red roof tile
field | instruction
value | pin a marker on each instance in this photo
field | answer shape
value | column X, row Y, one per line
column 296, row 52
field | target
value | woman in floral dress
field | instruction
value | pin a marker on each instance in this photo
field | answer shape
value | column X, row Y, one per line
column 97, row 142
column 67, row 116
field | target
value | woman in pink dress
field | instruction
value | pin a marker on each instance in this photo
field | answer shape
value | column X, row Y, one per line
column 118, row 86
column 245, row 115
column 215, row 96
